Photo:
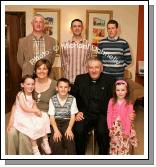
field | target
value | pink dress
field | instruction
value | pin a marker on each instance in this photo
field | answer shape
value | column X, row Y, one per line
column 28, row 123
column 119, row 124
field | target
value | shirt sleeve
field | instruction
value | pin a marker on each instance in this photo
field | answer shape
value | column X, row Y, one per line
column 51, row 110
column 20, row 53
column 127, row 55
column 63, row 56
column 74, row 108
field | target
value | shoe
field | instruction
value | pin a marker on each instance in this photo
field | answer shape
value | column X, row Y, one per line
column 36, row 150
column 45, row 146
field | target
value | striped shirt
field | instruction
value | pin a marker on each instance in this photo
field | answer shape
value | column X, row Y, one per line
column 115, row 56
column 73, row 58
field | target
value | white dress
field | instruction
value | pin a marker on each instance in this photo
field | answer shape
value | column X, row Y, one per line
column 28, row 123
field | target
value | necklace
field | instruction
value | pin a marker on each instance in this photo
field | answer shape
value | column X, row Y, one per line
column 38, row 97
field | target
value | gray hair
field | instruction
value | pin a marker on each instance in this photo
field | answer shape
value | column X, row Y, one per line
column 93, row 59
column 38, row 15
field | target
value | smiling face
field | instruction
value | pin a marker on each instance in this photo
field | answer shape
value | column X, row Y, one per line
column 28, row 85
column 94, row 69
column 121, row 91
column 77, row 28
column 42, row 71
column 63, row 88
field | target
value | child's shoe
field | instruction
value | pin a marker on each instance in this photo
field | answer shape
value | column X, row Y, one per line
column 45, row 146
column 36, row 150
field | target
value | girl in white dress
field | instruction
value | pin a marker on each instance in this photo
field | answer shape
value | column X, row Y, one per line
column 28, row 119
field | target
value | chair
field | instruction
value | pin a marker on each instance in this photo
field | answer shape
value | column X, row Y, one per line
column 92, row 132
column 136, row 89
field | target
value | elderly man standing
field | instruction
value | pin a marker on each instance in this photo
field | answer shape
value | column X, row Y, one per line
column 35, row 46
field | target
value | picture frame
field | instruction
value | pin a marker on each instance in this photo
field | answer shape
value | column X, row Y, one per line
column 52, row 21
column 96, row 25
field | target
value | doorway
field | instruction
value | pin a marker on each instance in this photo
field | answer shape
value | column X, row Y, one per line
column 14, row 29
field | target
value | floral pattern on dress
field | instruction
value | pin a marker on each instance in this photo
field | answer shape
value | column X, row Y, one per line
column 118, row 144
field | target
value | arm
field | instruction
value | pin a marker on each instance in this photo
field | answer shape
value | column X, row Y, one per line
column 128, row 121
column 23, row 105
column 69, row 134
column 57, row 135
column 132, row 116
column 20, row 53
column 11, row 119
column 75, row 92
column 109, row 114
column 54, row 45
column 127, row 54
column 63, row 56
column 99, row 47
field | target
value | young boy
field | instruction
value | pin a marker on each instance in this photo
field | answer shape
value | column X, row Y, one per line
column 62, row 110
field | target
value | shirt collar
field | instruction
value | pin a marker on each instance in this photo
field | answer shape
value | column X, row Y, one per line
column 35, row 37
column 113, row 39
column 81, row 41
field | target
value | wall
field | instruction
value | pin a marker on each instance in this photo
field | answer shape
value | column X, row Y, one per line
column 126, row 15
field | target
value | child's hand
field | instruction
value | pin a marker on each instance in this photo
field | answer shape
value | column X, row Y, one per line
column 132, row 116
column 69, row 134
column 57, row 136
column 38, row 113
column 10, row 125
column 125, row 136
column 110, row 133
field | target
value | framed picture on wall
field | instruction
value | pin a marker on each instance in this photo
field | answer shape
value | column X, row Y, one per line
column 52, row 21
column 96, row 24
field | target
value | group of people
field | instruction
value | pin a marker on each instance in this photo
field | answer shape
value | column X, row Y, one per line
column 63, row 112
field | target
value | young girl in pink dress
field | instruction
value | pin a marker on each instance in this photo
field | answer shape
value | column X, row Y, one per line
column 28, row 119
column 121, row 129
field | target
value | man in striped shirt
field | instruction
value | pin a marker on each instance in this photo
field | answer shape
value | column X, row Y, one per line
column 75, row 52
column 114, row 52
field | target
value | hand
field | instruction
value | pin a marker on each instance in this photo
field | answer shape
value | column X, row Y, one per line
column 110, row 133
column 10, row 125
column 57, row 136
column 79, row 116
column 125, row 136
column 38, row 113
column 132, row 116
column 69, row 134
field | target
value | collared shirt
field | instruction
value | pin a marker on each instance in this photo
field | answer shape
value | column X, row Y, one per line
column 38, row 46
column 73, row 58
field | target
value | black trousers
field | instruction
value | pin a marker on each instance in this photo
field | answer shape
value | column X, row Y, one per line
column 81, row 129
column 65, row 146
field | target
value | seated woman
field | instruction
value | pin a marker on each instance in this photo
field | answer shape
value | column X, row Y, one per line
column 18, row 143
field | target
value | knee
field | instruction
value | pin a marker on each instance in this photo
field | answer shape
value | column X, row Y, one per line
column 102, row 133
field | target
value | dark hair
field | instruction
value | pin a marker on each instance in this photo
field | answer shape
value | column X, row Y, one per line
column 113, row 22
column 127, row 97
column 41, row 62
column 23, row 80
column 63, row 80
column 76, row 20
column 25, row 77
